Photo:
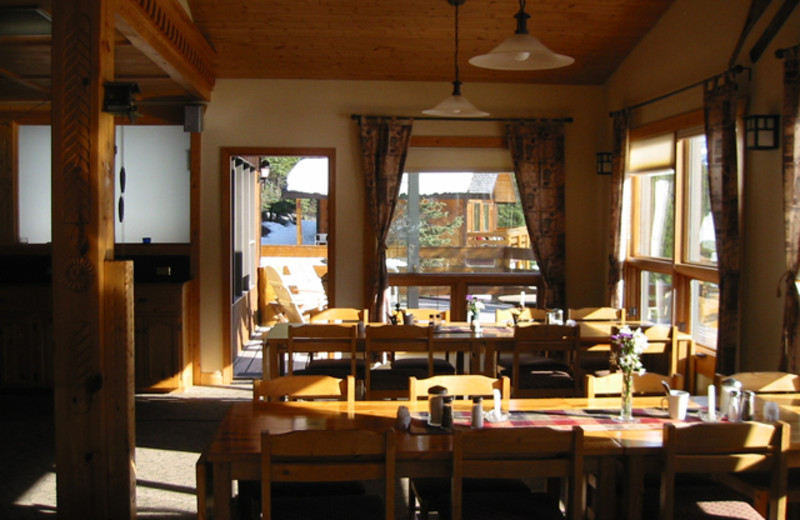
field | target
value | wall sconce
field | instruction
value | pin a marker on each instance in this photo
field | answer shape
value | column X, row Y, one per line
column 604, row 163
column 118, row 99
column 761, row 132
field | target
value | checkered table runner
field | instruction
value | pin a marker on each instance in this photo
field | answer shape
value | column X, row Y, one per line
column 589, row 420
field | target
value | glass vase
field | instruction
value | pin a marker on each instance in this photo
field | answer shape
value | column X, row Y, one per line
column 626, row 406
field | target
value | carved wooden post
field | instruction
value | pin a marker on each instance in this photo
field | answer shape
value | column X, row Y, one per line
column 92, row 296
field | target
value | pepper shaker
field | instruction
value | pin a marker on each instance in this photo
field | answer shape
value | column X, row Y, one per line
column 447, row 412
column 477, row 412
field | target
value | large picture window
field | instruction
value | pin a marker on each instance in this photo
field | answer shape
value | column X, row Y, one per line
column 671, row 273
column 458, row 232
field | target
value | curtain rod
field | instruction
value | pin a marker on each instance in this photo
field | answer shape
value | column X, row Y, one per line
column 781, row 52
column 736, row 70
column 356, row 117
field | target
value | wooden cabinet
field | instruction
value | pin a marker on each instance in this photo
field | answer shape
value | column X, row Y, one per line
column 161, row 351
column 26, row 336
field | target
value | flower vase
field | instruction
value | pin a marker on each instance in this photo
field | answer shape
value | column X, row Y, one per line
column 626, row 407
column 475, row 321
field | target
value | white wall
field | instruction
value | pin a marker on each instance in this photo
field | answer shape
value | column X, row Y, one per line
column 288, row 113
column 693, row 41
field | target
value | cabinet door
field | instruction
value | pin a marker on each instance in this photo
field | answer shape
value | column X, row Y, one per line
column 159, row 349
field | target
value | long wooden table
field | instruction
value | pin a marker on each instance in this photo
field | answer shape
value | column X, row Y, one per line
column 234, row 452
column 481, row 348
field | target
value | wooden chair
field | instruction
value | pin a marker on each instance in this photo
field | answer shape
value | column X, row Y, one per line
column 596, row 314
column 757, row 485
column 328, row 456
column 304, row 387
column 433, row 494
column 719, row 448
column 595, row 357
column 384, row 343
column 317, row 338
column 648, row 383
column 461, row 385
column 546, row 361
column 341, row 315
column 523, row 453
column 504, row 316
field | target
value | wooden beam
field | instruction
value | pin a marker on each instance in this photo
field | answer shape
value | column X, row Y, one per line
column 162, row 30
column 22, row 81
column 772, row 29
column 92, row 305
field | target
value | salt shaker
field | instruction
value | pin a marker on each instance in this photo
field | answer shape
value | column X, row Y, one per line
column 477, row 412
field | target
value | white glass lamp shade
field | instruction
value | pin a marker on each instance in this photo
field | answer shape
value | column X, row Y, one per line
column 455, row 106
column 521, row 52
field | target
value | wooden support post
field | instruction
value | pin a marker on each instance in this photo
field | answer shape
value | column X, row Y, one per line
column 8, row 184
column 92, row 299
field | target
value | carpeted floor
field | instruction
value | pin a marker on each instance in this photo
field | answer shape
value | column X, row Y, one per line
column 171, row 431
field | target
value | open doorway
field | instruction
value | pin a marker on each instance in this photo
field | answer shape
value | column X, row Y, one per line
column 279, row 222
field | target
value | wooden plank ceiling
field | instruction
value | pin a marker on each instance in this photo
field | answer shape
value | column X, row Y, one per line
column 401, row 40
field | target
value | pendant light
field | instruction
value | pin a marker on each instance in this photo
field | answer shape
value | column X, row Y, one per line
column 521, row 51
column 456, row 105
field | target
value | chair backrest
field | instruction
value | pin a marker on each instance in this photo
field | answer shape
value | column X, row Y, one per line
column 340, row 315
column 304, row 387
column 383, row 342
column 648, row 383
column 558, row 341
column 725, row 448
column 424, row 315
column 318, row 337
column 328, row 456
column 523, row 315
column 520, row 453
column 765, row 382
column 461, row 385
column 596, row 314
column 289, row 307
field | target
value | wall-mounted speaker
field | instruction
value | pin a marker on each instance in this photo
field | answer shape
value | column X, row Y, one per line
column 193, row 118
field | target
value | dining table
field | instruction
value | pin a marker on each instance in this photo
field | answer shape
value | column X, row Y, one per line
column 422, row 451
column 477, row 352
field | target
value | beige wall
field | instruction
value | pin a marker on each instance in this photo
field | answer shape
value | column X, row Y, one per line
column 662, row 63
column 272, row 113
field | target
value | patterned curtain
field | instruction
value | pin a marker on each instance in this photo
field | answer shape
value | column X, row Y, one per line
column 616, row 255
column 791, row 207
column 384, row 145
column 720, row 124
column 537, row 149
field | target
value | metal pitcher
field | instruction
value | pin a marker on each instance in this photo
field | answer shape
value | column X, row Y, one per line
column 727, row 389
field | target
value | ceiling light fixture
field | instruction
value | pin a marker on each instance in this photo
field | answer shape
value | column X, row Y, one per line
column 456, row 105
column 521, row 51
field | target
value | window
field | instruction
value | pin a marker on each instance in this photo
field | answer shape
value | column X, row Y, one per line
column 457, row 232
column 671, row 273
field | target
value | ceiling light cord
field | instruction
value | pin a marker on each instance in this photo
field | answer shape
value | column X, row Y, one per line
column 457, row 82
column 522, row 19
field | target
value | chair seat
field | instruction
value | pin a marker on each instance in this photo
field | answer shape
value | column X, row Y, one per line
column 531, row 362
column 708, row 502
column 359, row 507
column 440, row 366
column 394, row 379
column 508, row 506
column 434, row 493
column 249, row 498
column 332, row 367
column 545, row 379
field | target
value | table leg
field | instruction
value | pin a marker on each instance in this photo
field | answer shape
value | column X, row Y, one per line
column 633, row 487
column 203, row 475
column 222, row 491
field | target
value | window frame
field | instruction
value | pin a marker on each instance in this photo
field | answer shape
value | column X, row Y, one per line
column 683, row 272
